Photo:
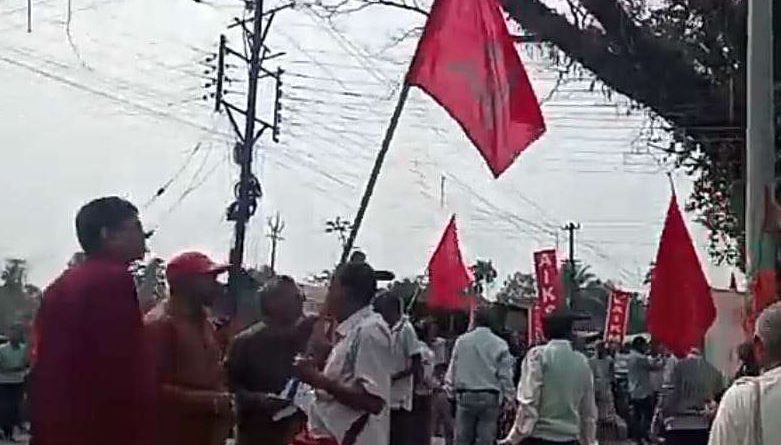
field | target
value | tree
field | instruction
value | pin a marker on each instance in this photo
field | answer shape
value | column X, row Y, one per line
column 341, row 227
column 484, row 275
column 18, row 298
column 681, row 61
column 517, row 287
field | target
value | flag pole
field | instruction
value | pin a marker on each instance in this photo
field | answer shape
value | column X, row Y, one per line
column 367, row 194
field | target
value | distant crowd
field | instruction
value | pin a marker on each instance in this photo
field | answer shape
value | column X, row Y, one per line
column 97, row 367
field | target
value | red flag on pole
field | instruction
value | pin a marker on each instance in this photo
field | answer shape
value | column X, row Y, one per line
column 448, row 277
column 467, row 61
column 681, row 307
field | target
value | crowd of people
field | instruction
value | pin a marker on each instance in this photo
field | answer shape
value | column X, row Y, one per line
column 103, row 368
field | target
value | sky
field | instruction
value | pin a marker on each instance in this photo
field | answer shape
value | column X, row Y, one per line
column 111, row 103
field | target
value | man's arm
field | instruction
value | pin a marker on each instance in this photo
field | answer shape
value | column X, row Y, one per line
column 161, row 338
column 450, row 373
column 372, row 386
column 529, row 389
column 409, row 343
column 588, row 413
column 504, row 373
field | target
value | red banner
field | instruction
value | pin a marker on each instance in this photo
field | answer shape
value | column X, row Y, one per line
column 549, row 293
column 548, row 282
column 617, row 316
column 536, row 334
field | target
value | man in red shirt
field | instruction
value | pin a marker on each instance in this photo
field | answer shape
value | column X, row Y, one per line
column 93, row 383
column 196, row 408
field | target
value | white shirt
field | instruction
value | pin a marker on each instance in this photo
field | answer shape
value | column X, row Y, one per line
column 405, row 346
column 576, row 396
column 361, row 356
column 439, row 346
column 481, row 361
column 734, row 423
column 427, row 359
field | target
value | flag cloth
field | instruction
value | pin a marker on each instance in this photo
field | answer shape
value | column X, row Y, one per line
column 681, row 309
column 448, row 277
column 467, row 61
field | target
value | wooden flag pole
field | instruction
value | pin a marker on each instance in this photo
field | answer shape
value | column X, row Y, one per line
column 367, row 194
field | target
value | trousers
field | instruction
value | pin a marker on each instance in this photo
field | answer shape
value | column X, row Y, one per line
column 477, row 416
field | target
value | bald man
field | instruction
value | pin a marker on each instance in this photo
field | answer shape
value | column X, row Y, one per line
column 748, row 410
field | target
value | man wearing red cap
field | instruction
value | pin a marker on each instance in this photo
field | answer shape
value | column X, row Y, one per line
column 196, row 408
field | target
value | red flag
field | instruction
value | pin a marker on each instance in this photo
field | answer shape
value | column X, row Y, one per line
column 448, row 277
column 467, row 61
column 681, row 307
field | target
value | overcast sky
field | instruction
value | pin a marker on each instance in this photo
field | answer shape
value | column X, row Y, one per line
column 117, row 110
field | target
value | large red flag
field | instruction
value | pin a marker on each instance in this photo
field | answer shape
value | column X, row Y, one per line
column 681, row 307
column 448, row 277
column 467, row 61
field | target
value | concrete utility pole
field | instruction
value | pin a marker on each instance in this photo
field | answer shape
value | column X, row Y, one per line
column 276, row 225
column 247, row 190
column 571, row 228
column 761, row 248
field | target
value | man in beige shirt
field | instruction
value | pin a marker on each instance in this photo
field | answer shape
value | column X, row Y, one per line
column 749, row 409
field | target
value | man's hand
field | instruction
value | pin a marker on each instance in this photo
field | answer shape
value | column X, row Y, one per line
column 307, row 372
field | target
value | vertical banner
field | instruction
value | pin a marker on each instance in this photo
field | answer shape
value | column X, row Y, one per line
column 617, row 316
column 548, row 290
column 548, row 281
column 536, row 335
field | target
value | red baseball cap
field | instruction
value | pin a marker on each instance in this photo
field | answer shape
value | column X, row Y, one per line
column 193, row 263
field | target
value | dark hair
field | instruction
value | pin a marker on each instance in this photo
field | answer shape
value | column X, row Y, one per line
column 359, row 280
column 104, row 213
column 484, row 317
column 386, row 301
column 272, row 288
column 639, row 343
column 557, row 328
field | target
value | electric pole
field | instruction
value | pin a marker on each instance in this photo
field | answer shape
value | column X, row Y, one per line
column 571, row 228
column 275, row 225
column 248, row 190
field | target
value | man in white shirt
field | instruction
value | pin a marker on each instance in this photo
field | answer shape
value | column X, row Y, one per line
column 353, row 390
column 406, row 369
column 641, row 391
column 749, row 409
column 556, row 404
column 481, row 374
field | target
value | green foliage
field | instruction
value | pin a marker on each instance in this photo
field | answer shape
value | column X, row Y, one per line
column 484, row 275
column 518, row 286
column 18, row 298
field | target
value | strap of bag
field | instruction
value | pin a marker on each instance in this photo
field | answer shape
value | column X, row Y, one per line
column 758, row 436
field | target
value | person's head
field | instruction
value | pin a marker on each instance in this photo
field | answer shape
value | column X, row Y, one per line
column 388, row 305
column 746, row 353
column 483, row 317
column 358, row 257
column 640, row 345
column 281, row 300
column 192, row 278
column 601, row 349
column 353, row 287
column 767, row 337
column 558, row 325
column 110, row 226
column 431, row 330
column 16, row 334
